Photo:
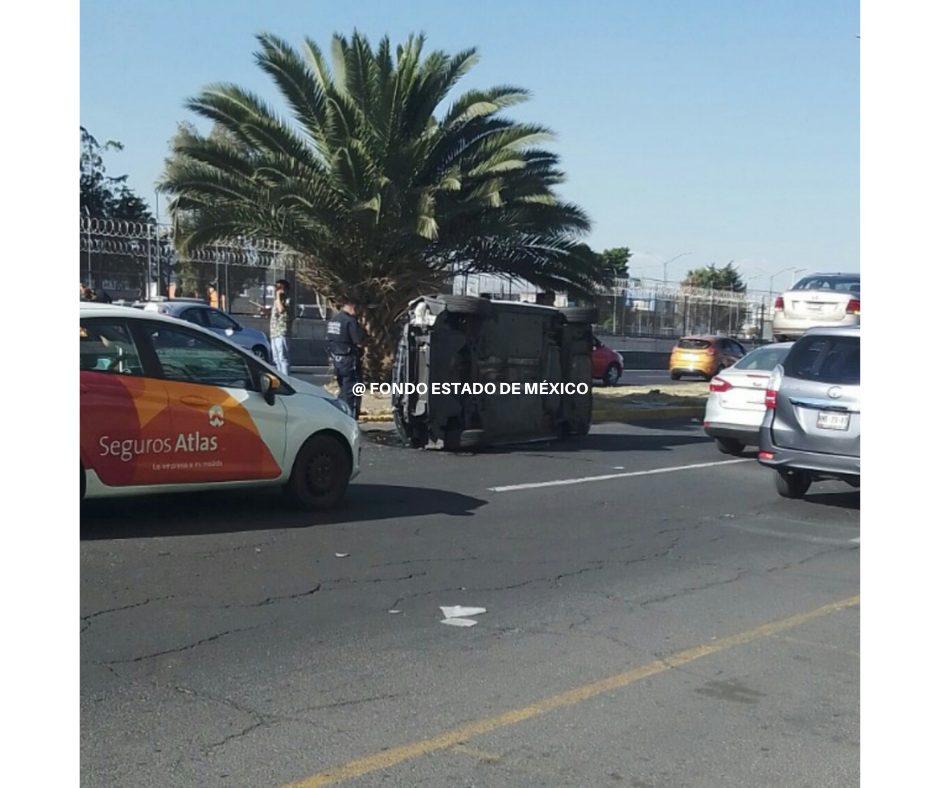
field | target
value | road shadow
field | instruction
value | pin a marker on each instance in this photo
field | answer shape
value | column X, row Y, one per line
column 603, row 441
column 257, row 510
column 841, row 499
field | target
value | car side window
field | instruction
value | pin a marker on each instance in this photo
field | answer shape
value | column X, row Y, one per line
column 194, row 315
column 107, row 346
column 217, row 319
column 737, row 347
column 192, row 358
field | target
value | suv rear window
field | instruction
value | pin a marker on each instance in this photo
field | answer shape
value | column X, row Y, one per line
column 694, row 344
column 838, row 284
column 825, row 359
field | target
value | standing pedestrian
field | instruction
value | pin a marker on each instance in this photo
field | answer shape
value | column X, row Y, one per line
column 280, row 326
column 344, row 339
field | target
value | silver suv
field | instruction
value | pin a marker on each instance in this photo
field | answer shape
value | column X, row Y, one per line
column 818, row 300
column 812, row 426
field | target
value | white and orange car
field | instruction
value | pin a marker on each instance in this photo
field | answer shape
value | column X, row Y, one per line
column 167, row 406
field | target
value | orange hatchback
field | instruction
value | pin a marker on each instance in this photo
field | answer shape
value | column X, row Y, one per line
column 703, row 355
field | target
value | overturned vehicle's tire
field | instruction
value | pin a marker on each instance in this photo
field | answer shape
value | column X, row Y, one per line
column 467, row 305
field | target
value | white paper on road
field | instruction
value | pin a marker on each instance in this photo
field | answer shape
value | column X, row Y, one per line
column 393, row 611
column 459, row 611
column 459, row 622
column 341, row 555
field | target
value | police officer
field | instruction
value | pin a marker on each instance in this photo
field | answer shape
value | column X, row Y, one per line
column 344, row 339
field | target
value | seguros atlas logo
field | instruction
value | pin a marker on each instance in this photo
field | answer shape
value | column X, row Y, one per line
column 216, row 416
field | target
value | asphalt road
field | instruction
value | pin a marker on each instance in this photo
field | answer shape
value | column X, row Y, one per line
column 685, row 627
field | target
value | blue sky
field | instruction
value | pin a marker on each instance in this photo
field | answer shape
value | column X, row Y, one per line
column 726, row 130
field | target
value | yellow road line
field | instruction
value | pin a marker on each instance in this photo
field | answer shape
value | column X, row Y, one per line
column 392, row 757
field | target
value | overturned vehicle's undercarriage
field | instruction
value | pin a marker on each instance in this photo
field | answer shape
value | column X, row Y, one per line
column 471, row 372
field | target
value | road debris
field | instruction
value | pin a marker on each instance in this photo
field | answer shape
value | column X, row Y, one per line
column 341, row 555
column 459, row 611
column 459, row 622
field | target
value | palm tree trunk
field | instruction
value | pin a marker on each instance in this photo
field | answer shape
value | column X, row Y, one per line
column 381, row 331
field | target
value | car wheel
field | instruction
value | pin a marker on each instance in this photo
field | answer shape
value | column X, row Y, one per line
column 320, row 474
column 729, row 446
column 779, row 338
column 260, row 352
column 792, row 484
column 612, row 375
column 675, row 375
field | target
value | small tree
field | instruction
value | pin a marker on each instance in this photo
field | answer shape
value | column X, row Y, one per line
column 714, row 278
column 106, row 196
column 617, row 261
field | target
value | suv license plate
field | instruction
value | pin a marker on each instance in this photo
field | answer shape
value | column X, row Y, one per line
column 830, row 420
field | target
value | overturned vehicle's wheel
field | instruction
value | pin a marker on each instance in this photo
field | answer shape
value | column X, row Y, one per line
column 466, row 305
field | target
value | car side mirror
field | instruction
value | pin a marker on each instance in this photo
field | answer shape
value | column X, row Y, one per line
column 269, row 386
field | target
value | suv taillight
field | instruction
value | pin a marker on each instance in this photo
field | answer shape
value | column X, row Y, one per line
column 854, row 307
column 778, row 304
column 773, row 386
column 719, row 384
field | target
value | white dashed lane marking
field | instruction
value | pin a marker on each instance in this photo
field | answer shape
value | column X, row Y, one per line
column 609, row 476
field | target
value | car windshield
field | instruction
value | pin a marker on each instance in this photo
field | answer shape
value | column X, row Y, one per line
column 764, row 358
column 826, row 359
column 694, row 344
column 838, row 284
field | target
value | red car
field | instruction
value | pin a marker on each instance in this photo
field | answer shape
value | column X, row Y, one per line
column 606, row 364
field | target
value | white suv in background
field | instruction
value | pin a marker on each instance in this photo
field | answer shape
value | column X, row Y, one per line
column 817, row 300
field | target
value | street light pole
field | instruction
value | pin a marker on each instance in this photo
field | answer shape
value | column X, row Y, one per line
column 795, row 272
column 671, row 260
column 772, row 276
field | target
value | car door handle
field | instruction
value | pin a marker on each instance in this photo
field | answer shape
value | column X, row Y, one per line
column 194, row 401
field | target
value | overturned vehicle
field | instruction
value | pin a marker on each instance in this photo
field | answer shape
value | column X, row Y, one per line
column 471, row 372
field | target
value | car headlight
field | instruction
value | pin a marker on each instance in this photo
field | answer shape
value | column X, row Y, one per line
column 340, row 405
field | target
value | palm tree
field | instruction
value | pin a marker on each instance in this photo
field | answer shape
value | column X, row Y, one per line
column 385, row 198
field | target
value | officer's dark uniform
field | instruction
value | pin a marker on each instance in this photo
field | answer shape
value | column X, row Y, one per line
column 344, row 338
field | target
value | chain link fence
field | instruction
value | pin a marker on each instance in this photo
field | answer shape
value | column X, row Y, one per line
column 132, row 260
column 641, row 308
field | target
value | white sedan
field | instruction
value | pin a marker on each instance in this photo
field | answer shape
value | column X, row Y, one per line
column 735, row 405
column 167, row 406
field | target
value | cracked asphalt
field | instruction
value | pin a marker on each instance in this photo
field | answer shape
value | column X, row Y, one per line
column 224, row 643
